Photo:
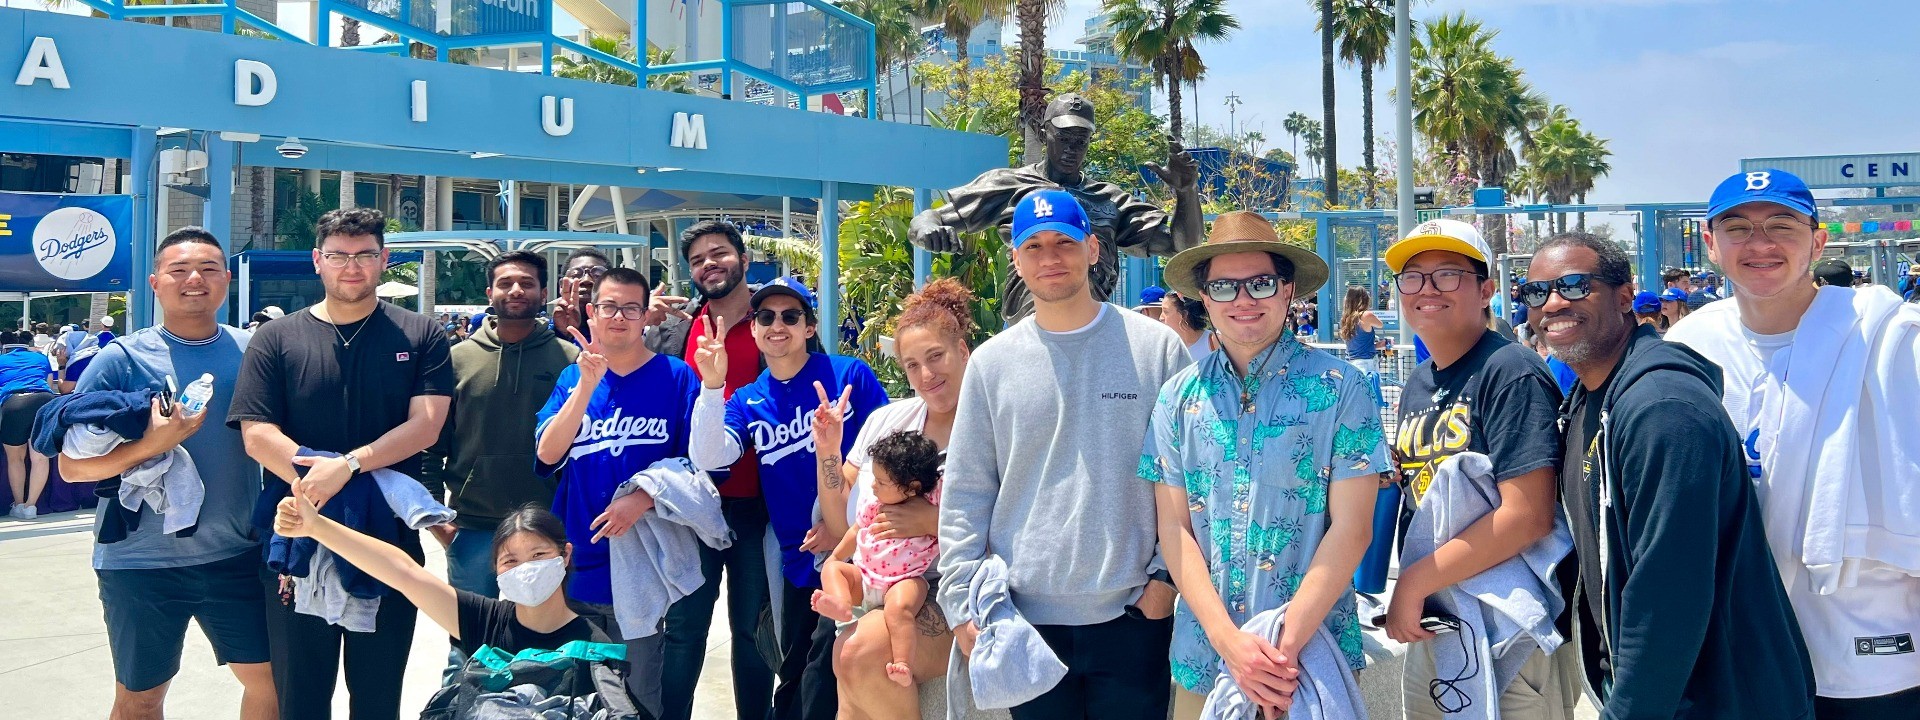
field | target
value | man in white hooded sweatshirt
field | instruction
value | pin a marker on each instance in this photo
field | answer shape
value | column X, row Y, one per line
column 1820, row 382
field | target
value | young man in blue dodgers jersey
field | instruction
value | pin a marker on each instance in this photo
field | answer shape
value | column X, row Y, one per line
column 617, row 410
column 775, row 414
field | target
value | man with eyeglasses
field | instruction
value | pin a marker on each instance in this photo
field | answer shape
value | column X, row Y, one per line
column 717, row 260
column 612, row 414
column 370, row 381
column 1479, row 392
column 1043, row 472
column 1820, row 384
column 584, row 268
column 774, row 416
column 1681, row 612
column 1266, row 459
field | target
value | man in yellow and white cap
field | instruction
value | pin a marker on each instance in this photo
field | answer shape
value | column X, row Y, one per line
column 1479, row 393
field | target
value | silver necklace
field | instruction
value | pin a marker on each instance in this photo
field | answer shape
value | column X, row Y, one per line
column 347, row 342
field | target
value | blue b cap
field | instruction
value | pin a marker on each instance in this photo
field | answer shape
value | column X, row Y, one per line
column 1769, row 185
column 784, row 285
column 1646, row 302
column 1152, row 295
column 1055, row 210
column 1674, row 295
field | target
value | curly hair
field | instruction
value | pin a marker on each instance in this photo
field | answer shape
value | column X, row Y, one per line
column 944, row 305
column 911, row 460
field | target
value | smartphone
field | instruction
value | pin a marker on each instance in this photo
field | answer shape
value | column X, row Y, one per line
column 1439, row 624
column 166, row 398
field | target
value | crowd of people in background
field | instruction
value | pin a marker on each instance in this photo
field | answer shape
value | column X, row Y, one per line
column 1683, row 507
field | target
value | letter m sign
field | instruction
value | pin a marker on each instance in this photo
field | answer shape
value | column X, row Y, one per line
column 689, row 131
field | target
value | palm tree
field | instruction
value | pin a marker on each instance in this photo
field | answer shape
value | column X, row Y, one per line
column 958, row 18
column 895, row 40
column 1316, row 143
column 349, row 32
column 1162, row 34
column 1295, row 124
column 616, row 45
column 1032, row 16
column 1365, row 29
column 1473, row 102
column 1331, row 170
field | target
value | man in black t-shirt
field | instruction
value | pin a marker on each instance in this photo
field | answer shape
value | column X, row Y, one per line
column 370, row 381
column 1481, row 393
column 1682, row 612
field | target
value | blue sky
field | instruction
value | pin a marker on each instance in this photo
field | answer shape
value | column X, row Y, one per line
column 1683, row 89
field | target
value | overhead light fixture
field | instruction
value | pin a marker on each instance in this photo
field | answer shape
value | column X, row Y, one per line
column 291, row 149
column 165, row 131
column 668, row 169
column 230, row 136
column 641, row 171
column 485, row 155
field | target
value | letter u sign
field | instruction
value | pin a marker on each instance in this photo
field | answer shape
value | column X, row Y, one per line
column 558, row 122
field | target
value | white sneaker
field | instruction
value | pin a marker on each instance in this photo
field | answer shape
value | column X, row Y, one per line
column 28, row 512
column 13, row 511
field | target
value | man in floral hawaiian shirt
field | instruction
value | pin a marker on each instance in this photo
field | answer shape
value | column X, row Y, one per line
column 1267, row 455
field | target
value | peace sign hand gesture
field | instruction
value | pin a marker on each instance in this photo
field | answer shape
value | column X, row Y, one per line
column 711, row 355
column 592, row 359
column 829, row 421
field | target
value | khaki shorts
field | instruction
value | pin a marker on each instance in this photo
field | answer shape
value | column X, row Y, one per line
column 1547, row 687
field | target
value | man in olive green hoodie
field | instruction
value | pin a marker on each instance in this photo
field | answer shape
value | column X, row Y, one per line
column 503, row 374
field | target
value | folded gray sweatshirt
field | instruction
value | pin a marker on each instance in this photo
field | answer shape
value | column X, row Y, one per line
column 1327, row 691
column 1042, row 467
column 657, row 561
column 1506, row 611
column 1011, row 664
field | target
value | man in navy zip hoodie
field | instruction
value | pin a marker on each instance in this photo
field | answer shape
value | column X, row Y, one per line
column 1681, row 610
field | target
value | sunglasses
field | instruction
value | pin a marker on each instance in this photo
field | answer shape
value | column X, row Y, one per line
column 1225, row 290
column 1572, row 287
column 787, row 317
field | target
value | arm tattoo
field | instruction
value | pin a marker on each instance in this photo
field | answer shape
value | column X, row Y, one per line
column 830, row 468
column 931, row 621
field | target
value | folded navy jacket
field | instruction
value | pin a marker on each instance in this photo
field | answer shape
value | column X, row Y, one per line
column 124, row 413
column 359, row 506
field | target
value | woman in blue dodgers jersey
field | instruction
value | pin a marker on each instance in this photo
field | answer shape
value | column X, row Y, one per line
column 775, row 413
column 617, row 410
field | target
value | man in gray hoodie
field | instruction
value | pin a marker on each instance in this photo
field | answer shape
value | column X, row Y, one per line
column 1041, row 473
column 503, row 374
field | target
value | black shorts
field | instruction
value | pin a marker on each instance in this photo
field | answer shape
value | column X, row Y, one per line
column 16, row 416
column 147, row 612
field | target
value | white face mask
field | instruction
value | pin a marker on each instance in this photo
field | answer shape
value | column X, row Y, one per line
column 531, row 583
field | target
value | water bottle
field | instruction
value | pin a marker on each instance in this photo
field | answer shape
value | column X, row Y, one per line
column 1371, row 576
column 197, row 394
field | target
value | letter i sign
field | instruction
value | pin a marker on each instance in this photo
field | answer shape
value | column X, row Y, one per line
column 1042, row 208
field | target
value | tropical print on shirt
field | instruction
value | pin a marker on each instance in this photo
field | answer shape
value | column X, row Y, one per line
column 1257, row 482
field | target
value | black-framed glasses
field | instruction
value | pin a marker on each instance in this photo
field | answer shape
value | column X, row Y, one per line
column 1576, row 286
column 1446, row 280
column 594, row 271
column 337, row 260
column 1780, row 228
column 1226, row 290
column 630, row 312
column 787, row 317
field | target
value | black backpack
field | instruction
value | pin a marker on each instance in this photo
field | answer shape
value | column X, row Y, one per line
column 585, row 680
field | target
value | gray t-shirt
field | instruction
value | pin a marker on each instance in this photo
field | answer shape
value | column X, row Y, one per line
column 144, row 360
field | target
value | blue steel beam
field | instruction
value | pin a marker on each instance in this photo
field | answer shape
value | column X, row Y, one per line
column 922, row 260
column 830, row 267
column 141, row 169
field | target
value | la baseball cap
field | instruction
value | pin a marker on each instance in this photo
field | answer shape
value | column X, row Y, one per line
column 274, row 312
column 784, row 285
column 1673, row 295
column 1152, row 295
column 1052, row 209
column 1770, row 185
column 1646, row 302
column 1834, row 272
column 1439, row 234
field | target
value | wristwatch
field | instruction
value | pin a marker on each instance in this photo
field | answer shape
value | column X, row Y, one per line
column 353, row 462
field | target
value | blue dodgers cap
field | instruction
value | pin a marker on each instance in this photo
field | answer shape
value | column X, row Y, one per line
column 1646, row 302
column 1051, row 209
column 1152, row 295
column 1674, row 295
column 1769, row 185
column 784, row 285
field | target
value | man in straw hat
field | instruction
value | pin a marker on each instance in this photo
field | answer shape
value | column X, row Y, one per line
column 1040, row 473
column 1478, row 393
column 1266, row 458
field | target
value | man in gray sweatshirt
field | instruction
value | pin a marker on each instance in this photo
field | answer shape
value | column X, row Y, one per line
column 1041, row 471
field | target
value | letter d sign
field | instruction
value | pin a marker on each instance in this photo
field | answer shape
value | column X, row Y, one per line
column 245, row 74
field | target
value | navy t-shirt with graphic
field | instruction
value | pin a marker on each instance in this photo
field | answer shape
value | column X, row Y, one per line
column 775, row 418
column 632, row 422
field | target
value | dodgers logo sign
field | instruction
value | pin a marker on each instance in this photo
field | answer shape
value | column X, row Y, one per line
column 65, row 243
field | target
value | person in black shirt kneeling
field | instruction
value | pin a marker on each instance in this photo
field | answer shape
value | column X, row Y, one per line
column 530, row 553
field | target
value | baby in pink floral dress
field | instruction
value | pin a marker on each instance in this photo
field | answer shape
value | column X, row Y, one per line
column 887, row 573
